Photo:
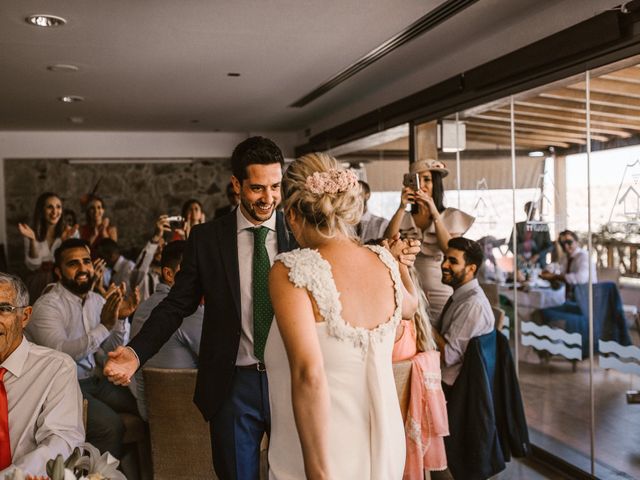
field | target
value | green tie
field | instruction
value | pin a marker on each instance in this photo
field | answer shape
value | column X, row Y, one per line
column 262, row 309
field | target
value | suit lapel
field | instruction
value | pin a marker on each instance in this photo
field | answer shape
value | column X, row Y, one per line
column 284, row 240
column 228, row 241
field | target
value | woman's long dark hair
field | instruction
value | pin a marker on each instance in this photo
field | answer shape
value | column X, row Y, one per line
column 40, row 219
column 437, row 191
column 92, row 198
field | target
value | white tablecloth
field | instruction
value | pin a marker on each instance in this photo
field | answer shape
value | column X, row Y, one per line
column 533, row 299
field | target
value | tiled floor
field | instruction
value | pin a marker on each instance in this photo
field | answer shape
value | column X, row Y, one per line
column 528, row 470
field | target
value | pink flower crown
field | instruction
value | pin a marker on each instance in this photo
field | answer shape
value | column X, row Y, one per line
column 332, row 181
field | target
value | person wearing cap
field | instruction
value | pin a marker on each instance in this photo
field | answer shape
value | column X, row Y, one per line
column 431, row 223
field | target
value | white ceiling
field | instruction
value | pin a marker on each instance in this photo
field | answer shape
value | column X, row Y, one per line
column 158, row 65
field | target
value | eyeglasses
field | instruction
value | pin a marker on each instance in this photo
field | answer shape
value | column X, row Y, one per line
column 9, row 309
column 566, row 242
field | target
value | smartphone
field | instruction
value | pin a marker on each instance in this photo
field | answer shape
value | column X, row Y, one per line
column 176, row 221
column 412, row 180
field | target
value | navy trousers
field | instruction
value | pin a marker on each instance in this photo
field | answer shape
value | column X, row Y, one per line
column 238, row 427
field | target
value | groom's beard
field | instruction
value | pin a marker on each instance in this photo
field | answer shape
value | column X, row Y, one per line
column 259, row 211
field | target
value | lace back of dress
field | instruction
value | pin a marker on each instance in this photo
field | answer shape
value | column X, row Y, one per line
column 308, row 270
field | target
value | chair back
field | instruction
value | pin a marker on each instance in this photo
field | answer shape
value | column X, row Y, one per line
column 498, row 315
column 180, row 441
column 609, row 323
column 488, row 349
column 402, row 377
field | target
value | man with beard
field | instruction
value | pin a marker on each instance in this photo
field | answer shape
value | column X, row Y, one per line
column 226, row 261
column 467, row 313
column 77, row 321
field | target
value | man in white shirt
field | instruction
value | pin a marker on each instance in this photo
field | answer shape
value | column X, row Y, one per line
column 467, row 313
column 574, row 269
column 371, row 227
column 42, row 410
column 73, row 319
column 181, row 350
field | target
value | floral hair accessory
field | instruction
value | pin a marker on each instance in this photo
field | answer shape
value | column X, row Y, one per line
column 332, row 181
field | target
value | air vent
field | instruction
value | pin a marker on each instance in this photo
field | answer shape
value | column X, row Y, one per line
column 435, row 17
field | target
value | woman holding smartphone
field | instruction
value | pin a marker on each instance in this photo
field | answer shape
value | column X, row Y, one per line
column 433, row 224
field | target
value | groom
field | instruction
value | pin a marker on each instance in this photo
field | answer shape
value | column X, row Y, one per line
column 227, row 261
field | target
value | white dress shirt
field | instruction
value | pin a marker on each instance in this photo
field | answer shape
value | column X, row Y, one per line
column 579, row 271
column 469, row 315
column 62, row 321
column 42, row 250
column 121, row 272
column 45, row 407
column 245, row 265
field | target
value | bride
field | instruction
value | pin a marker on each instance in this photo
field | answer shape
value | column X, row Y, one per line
column 334, row 407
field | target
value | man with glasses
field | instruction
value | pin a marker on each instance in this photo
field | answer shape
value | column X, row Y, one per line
column 40, row 400
column 574, row 267
column 77, row 321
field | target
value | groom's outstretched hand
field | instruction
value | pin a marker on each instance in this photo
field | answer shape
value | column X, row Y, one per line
column 122, row 364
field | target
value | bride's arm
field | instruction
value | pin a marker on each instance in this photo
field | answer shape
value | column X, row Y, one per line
column 309, row 390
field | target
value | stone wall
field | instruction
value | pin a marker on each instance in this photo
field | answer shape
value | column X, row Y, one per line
column 134, row 194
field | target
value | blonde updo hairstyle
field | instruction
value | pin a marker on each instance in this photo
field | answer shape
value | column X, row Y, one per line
column 329, row 213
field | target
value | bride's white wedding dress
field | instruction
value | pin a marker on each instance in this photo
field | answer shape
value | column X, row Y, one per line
column 366, row 434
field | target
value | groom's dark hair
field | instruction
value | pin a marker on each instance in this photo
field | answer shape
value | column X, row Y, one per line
column 254, row 150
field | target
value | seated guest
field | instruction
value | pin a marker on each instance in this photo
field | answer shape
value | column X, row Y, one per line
column 98, row 227
column 40, row 401
column 371, row 227
column 181, row 350
column 119, row 268
column 145, row 274
column 74, row 320
column 41, row 241
column 574, row 266
column 233, row 200
column 467, row 313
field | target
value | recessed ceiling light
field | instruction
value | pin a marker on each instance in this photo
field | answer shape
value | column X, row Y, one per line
column 76, row 120
column 43, row 20
column 71, row 99
column 536, row 153
column 62, row 67
column 233, row 74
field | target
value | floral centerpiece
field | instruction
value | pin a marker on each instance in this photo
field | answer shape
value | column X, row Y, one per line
column 84, row 463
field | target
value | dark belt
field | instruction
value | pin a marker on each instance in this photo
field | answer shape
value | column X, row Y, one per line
column 254, row 366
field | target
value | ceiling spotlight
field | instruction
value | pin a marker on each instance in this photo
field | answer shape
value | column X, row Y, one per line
column 62, row 67
column 40, row 20
column 536, row 153
column 76, row 120
column 71, row 99
column 233, row 74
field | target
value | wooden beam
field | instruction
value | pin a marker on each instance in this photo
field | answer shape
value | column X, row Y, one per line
column 538, row 130
column 526, row 120
column 506, row 140
column 575, row 107
column 596, row 98
column 631, row 75
column 596, row 119
column 603, row 85
column 530, row 136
